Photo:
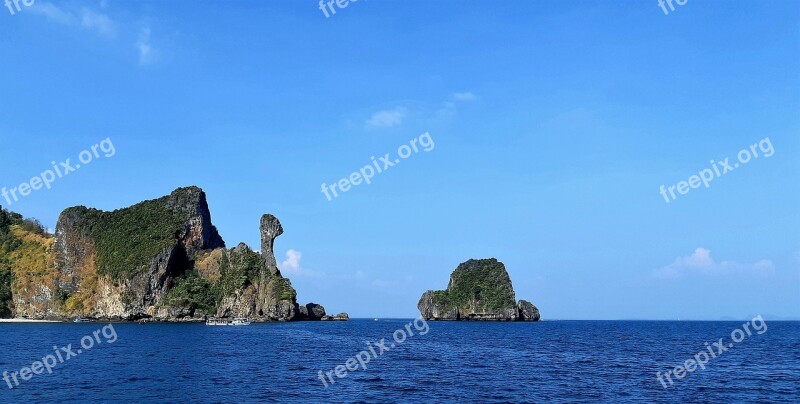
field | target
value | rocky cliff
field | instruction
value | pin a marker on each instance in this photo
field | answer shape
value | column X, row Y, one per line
column 478, row 290
column 160, row 260
column 25, row 276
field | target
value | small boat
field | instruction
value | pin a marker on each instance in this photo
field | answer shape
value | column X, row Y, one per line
column 225, row 322
column 81, row 320
column 376, row 319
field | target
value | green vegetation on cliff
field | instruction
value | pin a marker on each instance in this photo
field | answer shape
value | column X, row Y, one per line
column 193, row 292
column 6, row 303
column 225, row 274
column 24, row 245
column 283, row 289
column 478, row 284
column 7, row 244
column 126, row 240
column 238, row 269
column 160, row 258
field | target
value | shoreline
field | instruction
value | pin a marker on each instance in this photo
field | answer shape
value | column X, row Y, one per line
column 26, row 320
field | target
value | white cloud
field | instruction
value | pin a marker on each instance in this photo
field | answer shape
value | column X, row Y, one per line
column 465, row 96
column 53, row 13
column 147, row 55
column 87, row 19
column 387, row 118
column 100, row 23
column 446, row 110
column 449, row 109
column 292, row 262
column 701, row 263
column 291, row 265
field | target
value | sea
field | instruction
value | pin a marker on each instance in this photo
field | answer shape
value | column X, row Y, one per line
column 402, row 361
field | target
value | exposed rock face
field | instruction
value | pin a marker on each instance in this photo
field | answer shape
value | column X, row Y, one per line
column 302, row 312
column 527, row 311
column 160, row 260
column 249, row 289
column 26, row 284
column 432, row 307
column 338, row 317
column 7, row 245
column 270, row 229
column 315, row 311
column 478, row 290
column 120, row 264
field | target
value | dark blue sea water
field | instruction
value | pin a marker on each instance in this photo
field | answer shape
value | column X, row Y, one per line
column 549, row 361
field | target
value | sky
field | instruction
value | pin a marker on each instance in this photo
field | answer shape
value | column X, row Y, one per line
column 548, row 129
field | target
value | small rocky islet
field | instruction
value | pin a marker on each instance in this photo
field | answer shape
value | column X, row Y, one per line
column 479, row 290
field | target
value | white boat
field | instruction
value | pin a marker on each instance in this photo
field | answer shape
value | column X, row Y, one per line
column 81, row 320
column 226, row 322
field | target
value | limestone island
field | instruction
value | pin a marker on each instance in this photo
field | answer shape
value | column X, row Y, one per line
column 478, row 290
column 158, row 260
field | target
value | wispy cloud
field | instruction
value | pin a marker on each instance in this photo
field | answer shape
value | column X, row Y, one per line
column 99, row 23
column 53, row 13
column 437, row 111
column 465, row 96
column 387, row 118
column 147, row 55
column 701, row 263
column 449, row 109
column 291, row 265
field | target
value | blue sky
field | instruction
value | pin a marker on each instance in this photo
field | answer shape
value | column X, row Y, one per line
column 554, row 122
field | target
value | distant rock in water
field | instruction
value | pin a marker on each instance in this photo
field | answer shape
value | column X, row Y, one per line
column 160, row 260
column 314, row 311
column 338, row 317
column 527, row 311
column 478, row 290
